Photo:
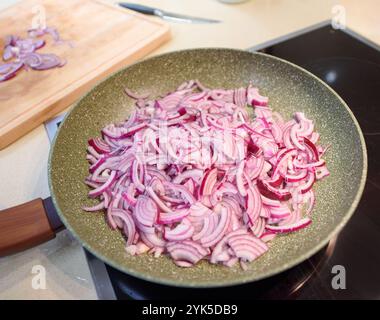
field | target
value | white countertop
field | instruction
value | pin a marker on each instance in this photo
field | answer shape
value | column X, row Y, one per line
column 23, row 165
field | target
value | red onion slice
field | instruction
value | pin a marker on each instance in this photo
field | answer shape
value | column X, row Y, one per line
column 128, row 224
column 258, row 227
column 99, row 145
column 199, row 179
column 208, row 182
column 98, row 191
column 33, row 60
column 14, row 67
column 24, row 52
column 255, row 99
column 49, row 60
column 188, row 251
column 247, row 247
column 8, row 53
column 290, row 228
column 181, row 232
column 253, row 204
column 172, row 217
column 145, row 211
column 219, row 231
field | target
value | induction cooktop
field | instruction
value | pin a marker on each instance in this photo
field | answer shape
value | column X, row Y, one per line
column 350, row 64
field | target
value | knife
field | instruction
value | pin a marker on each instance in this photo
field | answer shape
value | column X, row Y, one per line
column 164, row 14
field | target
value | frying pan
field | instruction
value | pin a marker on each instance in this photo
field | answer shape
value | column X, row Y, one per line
column 289, row 88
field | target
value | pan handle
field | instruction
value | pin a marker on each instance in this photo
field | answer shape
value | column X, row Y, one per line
column 27, row 225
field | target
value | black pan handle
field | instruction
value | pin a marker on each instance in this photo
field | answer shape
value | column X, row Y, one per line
column 28, row 225
column 138, row 7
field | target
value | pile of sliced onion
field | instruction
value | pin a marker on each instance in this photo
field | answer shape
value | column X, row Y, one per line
column 21, row 52
column 193, row 176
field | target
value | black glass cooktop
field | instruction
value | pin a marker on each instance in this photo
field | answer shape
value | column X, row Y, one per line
column 351, row 66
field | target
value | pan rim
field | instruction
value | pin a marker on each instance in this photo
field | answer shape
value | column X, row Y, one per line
column 274, row 271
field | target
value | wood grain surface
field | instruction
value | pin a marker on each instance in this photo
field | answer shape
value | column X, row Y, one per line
column 104, row 38
column 23, row 227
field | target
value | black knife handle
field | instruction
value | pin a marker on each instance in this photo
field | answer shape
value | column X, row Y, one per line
column 138, row 7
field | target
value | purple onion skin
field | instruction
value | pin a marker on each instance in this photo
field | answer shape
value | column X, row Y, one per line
column 11, row 73
column 21, row 49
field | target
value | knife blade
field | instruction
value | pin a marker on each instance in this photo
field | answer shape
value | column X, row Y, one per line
column 165, row 14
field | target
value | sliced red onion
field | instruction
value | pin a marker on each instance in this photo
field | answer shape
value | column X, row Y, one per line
column 188, row 251
column 6, row 68
column 98, row 191
column 49, row 60
column 209, row 224
column 218, row 253
column 181, row 232
column 304, row 222
column 208, row 182
column 128, row 224
column 164, row 207
column 219, row 231
column 321, row 172
column 99, row 145
column 38, row 44
column 129, row 195
column 96, row 207
column 172, row 217
column 135, row 96
column 9, row 70
column 312, row 147
column 240, row 179
column 271, row 192
column 199, row 210
column 137, row 172
column 24, row 52
column 308, row 183
column 199, row 179
column 253, row 204
column 145, row 211
column 258, row 227
column 195, row 174
column 255, row 99
column 281, row 212
column 190, row 186
column 270, row 202
column 185, row 193
column 247, row 247
column 33, row 60
column 311, row 202
column 183, row 264
column 152, row 240
column 8, row 53
column 267, row 236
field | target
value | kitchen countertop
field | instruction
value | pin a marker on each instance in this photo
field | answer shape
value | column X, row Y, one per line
column 23, row 165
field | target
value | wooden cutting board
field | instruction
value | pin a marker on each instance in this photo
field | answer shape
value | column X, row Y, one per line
column 104, row 38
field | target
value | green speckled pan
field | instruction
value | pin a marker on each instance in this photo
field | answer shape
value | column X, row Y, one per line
column 289, row 88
